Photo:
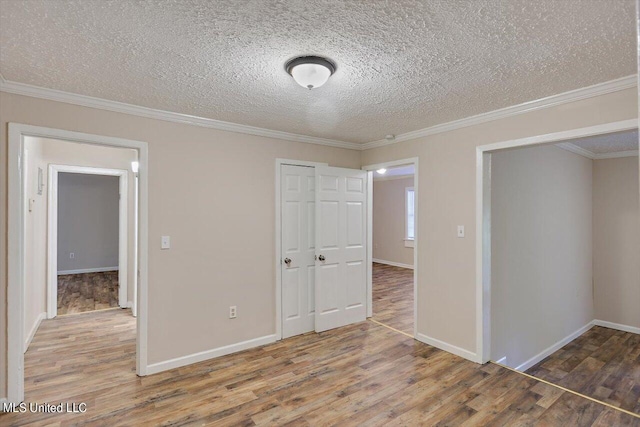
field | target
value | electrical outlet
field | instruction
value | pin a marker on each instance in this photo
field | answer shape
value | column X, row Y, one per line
column 233, row 312
column 72, row 255
column 460, row 231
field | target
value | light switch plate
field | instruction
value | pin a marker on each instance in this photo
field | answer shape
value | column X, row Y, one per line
column 166, row 242
column 460, row 231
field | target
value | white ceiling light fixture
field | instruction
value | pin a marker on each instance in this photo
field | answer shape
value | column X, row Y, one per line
column 382, row 171
column 310, row 72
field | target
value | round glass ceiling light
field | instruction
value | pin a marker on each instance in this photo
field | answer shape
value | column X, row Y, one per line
column 310, row 72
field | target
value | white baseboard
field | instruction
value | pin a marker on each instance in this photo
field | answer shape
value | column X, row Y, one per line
column 209, row 354
column 502, row 361
column 33, row 330
column 555, row 347
column 392, row 263
column 3, row 406
column 89, row 270
column 466, row 354
column 617, row 326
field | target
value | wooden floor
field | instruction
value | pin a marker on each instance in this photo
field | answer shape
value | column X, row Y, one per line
column 82, row 292
column 363, row 374
column 602, row 363
column 393, row 296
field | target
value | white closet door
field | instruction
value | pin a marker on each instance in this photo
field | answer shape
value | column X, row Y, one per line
column 341, row 287
column 298, row 249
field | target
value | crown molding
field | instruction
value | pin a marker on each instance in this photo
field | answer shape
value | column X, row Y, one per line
column 576, row 150
column 120, row 107
column 168, row 116
column 550, row 101
column 619, row 154
column 595, row 156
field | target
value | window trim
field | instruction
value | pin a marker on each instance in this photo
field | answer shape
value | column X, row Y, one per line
column 409, row 241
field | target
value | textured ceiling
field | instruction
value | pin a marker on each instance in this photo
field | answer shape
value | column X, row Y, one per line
column 610, row 143
column 402, row 65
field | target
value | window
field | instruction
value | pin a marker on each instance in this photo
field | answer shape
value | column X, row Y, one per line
column 409, row 216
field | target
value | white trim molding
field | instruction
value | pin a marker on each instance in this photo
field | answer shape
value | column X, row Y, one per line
column 167, row 116
column 618, row 326
column 392, row 263
column 554, row 347
column 391, row 178
column 595, row 156
column 502, row 360
column 209, row 354
column 88, row 270
column 622, row 83
column 450, row 348
column 34, row 329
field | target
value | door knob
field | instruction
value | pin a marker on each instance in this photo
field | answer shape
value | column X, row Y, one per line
column 321, row 258
column 287, row 261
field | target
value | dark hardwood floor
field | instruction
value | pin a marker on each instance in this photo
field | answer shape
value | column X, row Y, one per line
column 363, row 374
column 393, row 297
column 82, row 292
column 602, row 363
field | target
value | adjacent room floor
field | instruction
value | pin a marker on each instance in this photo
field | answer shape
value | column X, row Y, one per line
column 78, row 293
column 602, row 363
column 393, row 296
column 363, row 374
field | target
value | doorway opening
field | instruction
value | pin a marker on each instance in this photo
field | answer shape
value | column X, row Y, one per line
column 393, row 244
column 393, row 241
column 557, row 223
column 89, row 238
column 75, row 196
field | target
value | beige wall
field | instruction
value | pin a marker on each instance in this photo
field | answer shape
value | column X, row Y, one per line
column 88, row 221
column 389, row 221
column 213, row 192
column 447, row 186
column 541, row 251
column 616, row 231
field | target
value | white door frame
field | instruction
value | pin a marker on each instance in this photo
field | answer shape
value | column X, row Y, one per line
column 52, row 231
column 16, row 253
column 410, row 161
column 483, row 217
column 278, row 260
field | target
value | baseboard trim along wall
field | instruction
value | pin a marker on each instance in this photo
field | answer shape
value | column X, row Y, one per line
column 33, row 330
column 617, row 326
column 89, row 270
column 502, row 361
column 394, row 264
column 450, row 348
column 209, row 354
column 554, row 347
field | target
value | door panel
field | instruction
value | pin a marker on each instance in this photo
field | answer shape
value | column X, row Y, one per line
column 340, row 285
column 298, row 244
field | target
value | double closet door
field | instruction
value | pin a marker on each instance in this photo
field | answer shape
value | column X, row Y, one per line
column 323, row 259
